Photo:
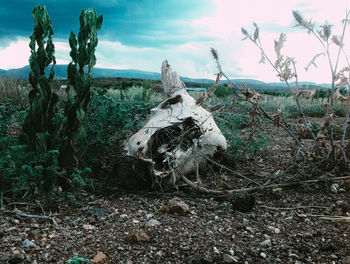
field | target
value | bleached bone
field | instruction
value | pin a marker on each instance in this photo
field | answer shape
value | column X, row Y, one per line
column 179, row 136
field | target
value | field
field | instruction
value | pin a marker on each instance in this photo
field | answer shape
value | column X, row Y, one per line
column 279, row 216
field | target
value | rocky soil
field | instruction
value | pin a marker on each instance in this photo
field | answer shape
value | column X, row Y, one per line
column 147, row 228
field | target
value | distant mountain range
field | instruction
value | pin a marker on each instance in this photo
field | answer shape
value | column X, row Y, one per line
column 61, row 73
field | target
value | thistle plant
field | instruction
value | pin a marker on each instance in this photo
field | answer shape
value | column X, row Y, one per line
column 79, row 71
column 287, row 71
column 40, row 128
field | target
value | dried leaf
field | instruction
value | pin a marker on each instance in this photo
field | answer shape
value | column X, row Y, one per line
column 343, row 81
column 280, row 43
column 218, row 77
column 217, row 107
column 244, row 31
column 214, row 53
column 278, row 118
column 256, row 32
column 308, row 94
column 336, row 40
column 302, row 22
column 313, row 61
column 263, row 58
column 325, row 32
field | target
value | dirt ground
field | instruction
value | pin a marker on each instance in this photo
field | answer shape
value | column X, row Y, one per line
column 284, row 226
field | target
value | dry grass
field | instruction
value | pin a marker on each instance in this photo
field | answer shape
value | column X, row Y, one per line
column 12, row 88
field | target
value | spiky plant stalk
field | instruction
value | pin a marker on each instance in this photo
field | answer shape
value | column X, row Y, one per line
column 79, row 70
column 39, row 128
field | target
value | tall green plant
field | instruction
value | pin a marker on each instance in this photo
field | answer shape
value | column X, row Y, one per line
column 79, row 70
column 40, row 128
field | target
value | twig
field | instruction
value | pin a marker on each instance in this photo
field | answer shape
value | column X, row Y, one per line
column 20, row 213
column 285, row 128
column 294, row 208
column 253, row 189
column 227, row 168
column 42, row 209
column 344, row 219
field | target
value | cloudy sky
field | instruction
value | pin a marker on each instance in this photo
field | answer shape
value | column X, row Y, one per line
column 139, row 34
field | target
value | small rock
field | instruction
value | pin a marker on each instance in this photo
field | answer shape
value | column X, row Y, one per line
column 28, row 244
column 149, row 216
column 216, row 251
column 88, row 227
column 333, row 256
column 346, row 260
column 138, row 236
column 334, row 188
column 99, row 258
column 123, row 216
column 263, row 255
column 277, row 230
column 177, row 206
column 153, row 222
column 266, row 243
column 229, row 259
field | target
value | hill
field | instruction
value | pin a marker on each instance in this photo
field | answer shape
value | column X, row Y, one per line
column 61, row 73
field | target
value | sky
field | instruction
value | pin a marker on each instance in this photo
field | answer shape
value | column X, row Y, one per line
column 140, row 34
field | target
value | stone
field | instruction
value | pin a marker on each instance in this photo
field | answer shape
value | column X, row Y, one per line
column 229, row 259
column 88, row 227
column 153, row 222
column 265, row 243
column 177, row 206
column 137, row 235
column 99, row 258
column 28, row 244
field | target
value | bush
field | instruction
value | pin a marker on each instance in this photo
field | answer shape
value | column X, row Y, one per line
column 223, row 91
column 310, row 110
column 239, row 149
column 108, row 123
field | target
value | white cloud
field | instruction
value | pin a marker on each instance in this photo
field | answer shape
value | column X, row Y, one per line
column 15, row 55
column 222, row 28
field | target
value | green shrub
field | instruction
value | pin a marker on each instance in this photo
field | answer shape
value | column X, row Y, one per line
column 239, row 149
column 339, row 110
column 108, row 123
column 40, row 128
column 83, row 56
column 310, row 111
column 223, row 91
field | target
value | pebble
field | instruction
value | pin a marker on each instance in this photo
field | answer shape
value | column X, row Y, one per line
column 123, row 216
column 99, row 258
column 263, row 255
column 28, row 244
column 153, row 222
column 266, row 243
column 88, row 227
column 334, row 188
column 216, row 251
column 229, row 259
column 149, row 216
column 138, row 236
column 177, row 206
